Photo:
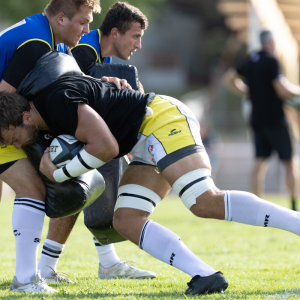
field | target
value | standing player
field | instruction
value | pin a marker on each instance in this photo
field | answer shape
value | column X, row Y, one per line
column 119, row 35
column 21, row 45
column 268, row 87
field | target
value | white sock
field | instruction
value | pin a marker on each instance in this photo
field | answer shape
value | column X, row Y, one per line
column 166, row 246
column 27, row 223
column 49, row 257
column 107, row 254
column 249, row 209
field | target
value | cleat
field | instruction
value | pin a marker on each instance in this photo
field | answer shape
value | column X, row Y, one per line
column 37, row 284
column 124, row 270
column 215, row 283
column 58, row 277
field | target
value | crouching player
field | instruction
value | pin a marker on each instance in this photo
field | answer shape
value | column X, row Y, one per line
column 113, row 122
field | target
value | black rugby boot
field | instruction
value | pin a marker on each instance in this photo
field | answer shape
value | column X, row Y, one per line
column 215, row 283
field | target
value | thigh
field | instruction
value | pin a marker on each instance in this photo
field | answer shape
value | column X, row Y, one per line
column 262, row 143
column 24, row 180
column 146, row 176
column 281, row 142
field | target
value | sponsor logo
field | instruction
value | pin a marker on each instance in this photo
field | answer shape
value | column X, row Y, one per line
column 37, row 240
column 266, row 220
column 53, row 148
column 151, row 149
column 173, row 132
column 3, row 146
column 16, row 233
column 47, row 136
column 172, row 258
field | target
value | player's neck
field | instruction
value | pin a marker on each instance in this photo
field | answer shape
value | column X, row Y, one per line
column 106, row 46
column 37, row 119
column 55, row 30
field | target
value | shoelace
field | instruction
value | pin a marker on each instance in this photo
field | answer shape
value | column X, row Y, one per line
column 59, row 274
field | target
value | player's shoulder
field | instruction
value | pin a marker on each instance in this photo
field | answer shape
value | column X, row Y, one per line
column 91, row 38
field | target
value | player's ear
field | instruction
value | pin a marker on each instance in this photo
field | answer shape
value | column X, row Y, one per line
column 114, row 32
column 60, row 18
column 27, row 119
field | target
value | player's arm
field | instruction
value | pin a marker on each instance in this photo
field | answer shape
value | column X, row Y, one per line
column 101, row 147
column 22, row 61
column 284, row 88
column 233, row 81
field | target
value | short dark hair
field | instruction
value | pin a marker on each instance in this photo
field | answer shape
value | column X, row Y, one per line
column 12, row 106
column 121, row 15
column 70, row 7
column 265, row 37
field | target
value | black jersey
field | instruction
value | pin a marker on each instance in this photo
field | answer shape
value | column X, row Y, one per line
column 259, row 70
column 122, row 110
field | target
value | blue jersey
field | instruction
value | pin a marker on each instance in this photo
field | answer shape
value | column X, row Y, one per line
column 33, row 28
column 93, row 40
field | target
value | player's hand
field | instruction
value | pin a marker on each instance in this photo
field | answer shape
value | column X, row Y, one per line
column 119, row 83
column 47, row 167
column 141, row 88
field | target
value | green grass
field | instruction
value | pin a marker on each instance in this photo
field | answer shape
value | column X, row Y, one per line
column 259, row 263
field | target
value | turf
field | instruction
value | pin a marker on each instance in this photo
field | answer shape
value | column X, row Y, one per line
column 259, row 263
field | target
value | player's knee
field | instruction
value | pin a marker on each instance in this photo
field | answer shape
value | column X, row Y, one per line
column 192, row 185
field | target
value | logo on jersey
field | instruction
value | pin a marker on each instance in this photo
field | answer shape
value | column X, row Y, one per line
column 37, row 240
column 47, row 136
column 151, row 149
column 16, row 233
column 173, row 132
column 266, row 220
column 172, row 258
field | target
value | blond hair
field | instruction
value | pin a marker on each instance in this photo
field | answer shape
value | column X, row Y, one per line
column 70, row 7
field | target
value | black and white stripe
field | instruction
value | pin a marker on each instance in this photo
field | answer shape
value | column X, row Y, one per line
column 50, row 250
column 143, row 234
column 137, row 196
column 97, row 244
column 191, row 184
column 34, row 204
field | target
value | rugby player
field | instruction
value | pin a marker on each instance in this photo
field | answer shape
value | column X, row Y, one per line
column 21, row 45
column 162, row 135
column 119, row 36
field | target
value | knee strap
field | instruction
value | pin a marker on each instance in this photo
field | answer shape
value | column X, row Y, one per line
column 138, row 197
column 193, row 184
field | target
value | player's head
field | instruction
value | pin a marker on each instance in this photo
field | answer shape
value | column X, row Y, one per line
column 267, row 40
column 125, row 24
column 70, row 18
column 16, row 125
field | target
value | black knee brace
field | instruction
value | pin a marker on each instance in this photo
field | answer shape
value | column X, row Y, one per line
column 69, row 197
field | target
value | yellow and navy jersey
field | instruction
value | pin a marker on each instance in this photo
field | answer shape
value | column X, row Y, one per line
column 93, row 40
column 33, row 28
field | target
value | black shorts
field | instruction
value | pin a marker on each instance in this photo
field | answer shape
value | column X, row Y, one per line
column 268, row 140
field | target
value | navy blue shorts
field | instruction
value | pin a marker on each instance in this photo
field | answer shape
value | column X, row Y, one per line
column 267, row 140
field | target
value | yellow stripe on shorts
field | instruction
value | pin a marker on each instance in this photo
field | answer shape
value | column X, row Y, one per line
column 10, row 153
column 168, row 125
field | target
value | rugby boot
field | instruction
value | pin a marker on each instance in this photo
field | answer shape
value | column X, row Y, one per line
column 58, row 277
column 37, row 284
column 215, row 283
column 124, row 270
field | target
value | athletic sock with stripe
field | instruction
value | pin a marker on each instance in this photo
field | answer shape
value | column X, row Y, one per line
column 107, row 254
column 249, row 209
column 49, row 257
column 27, row 223
column 166, row 246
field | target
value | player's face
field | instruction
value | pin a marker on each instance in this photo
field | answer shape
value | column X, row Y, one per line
column 20, row 136
column 77, row 26
column 126, row 44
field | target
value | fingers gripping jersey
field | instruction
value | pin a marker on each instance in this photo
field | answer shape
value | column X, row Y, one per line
column 33, row 28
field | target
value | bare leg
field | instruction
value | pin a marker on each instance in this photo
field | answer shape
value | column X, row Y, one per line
column 258, row 176
column 292, row 179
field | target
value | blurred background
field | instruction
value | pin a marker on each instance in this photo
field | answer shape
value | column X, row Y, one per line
column 186, row 49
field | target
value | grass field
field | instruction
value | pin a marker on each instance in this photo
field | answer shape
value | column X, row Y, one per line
column 259, row 263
